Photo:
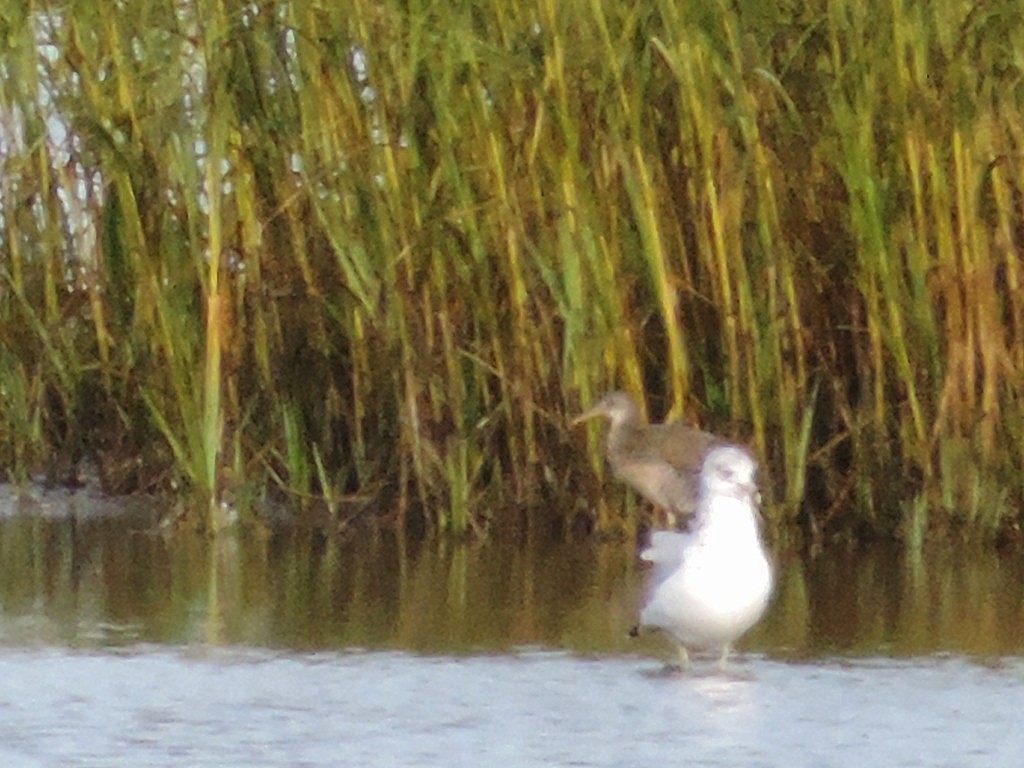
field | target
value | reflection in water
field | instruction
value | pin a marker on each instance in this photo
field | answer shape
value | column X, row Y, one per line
column 487, row 689
column 70, row 575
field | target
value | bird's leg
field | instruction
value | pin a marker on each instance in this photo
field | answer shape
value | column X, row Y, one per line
column 668, row 517
column 724, row 657
column 684, row 658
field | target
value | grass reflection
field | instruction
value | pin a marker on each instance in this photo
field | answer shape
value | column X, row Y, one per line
column 83, row 581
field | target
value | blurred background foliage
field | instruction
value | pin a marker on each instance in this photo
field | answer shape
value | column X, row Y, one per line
column 366, row 259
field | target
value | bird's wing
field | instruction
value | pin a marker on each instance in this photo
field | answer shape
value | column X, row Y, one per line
column 660, row 482
column 680, row 445
column 665, row 552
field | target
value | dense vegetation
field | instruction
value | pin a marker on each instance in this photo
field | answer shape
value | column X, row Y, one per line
column 370, row 256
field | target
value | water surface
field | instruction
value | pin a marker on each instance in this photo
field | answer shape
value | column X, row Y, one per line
column 164, row 707
column 121, row 647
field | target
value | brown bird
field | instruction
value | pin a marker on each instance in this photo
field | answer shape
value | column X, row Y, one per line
column 661, row 462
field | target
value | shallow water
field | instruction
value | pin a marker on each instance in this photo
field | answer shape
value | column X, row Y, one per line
column 170, row 707
column 118, row 647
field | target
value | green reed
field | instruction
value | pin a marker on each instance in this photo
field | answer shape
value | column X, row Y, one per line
column 383, row 253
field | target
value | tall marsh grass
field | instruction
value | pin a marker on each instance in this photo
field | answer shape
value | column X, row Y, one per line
column 376, row 255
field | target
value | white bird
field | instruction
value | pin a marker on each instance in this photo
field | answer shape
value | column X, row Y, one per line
column 711, row 583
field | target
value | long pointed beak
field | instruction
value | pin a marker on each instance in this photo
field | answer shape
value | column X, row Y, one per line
column 587, row 415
